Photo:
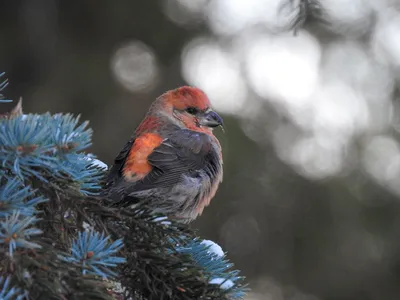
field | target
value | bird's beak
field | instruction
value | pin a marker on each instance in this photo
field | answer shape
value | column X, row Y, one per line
column 211, row 119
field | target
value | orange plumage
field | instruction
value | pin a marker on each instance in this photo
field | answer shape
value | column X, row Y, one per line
column 136, row 166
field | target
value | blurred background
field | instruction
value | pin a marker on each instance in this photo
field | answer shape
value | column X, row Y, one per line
column 310, row 204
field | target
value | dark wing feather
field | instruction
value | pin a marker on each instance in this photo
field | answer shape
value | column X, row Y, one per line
column 115, row 172
column 183, row 152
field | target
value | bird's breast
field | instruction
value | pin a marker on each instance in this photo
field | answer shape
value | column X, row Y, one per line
column 211, row 180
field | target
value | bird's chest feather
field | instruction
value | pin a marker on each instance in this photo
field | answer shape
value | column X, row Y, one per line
column 207, row 179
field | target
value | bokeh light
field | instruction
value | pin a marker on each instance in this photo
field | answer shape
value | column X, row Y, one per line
column 275, row 63
column 227, row 17
column 207, row 65
column 352, row 18
column 135, row 67
column 386, row 38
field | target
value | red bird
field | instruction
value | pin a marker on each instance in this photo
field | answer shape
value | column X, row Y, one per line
column 173, row 160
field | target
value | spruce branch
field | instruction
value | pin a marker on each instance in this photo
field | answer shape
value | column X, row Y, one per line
column 15, row 231
column 10, row 293
column 47, row 148
column 164, row 259
column 14, row 196
column 94, row 252
column 44, row 274
column 218, row 268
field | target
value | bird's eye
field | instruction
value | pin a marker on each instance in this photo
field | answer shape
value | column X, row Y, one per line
column 192, row 110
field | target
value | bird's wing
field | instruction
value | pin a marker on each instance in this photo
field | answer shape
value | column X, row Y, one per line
column 184, row 152
column 116, row 170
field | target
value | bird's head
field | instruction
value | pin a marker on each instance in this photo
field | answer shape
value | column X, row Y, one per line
column 190, row 108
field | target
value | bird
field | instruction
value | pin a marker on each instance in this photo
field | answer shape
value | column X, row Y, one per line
column 173, row 161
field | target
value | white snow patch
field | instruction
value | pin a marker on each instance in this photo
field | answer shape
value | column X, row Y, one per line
column 223, row 283
column 96, row 162
column 214, row 248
